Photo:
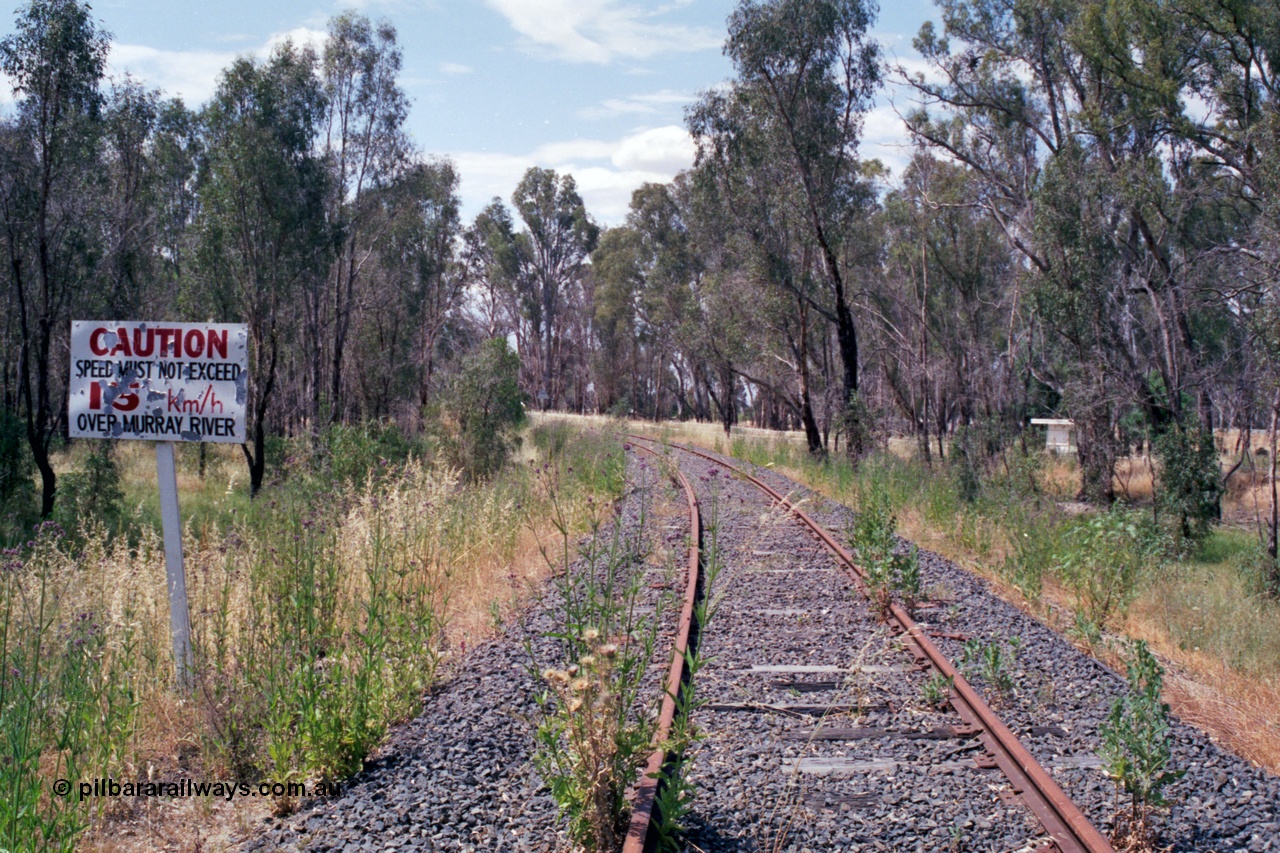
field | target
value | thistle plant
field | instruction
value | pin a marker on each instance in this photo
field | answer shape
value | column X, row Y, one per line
column 1136, row 748
column 595, row 732
column 579, row 753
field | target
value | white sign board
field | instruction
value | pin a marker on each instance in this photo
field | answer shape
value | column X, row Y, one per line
column 159, row 381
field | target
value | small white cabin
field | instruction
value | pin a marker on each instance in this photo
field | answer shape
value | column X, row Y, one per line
column 1059, row 435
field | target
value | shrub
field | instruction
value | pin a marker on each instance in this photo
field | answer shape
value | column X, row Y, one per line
column 859, row 425
column 352, row 452
column 872, row 540
column 92, row 492
column 482, row 410
column 1105, row 557
column 1188, row 481
column 1136, row 747
column 995, row 662
column 1260, row 570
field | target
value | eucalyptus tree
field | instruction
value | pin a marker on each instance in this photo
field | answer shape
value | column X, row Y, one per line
column 414, row 288
column 792, row 118
column 130, row 122
column 551, row 255
column 490, row 259
column 176, row 150
column 945, row 315
column 264, row 236
column 1237, row 55
column 618, row 280
column 1068, row 112
column 715, row 329
column 49, row 154
column 756, row 301
column 669, row 273
column 422, row 252
column 365, row 145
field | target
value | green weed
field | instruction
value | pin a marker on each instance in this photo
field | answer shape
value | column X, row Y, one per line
column 995, row 661
column 1136, row 748
column 937, row 690
column 1105, row 559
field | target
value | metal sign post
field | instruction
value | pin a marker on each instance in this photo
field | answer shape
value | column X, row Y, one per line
column 161, row 382
column 171, row 519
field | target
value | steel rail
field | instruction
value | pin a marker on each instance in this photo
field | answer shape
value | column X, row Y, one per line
column 638, row 837
column 1070, row 830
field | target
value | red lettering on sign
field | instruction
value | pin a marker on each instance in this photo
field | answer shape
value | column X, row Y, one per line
column 194, row 343
column 217, row 343
column 95, row 342
column 122, row 346
column 139, row 349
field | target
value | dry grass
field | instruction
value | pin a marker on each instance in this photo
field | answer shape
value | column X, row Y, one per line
column 476, row 553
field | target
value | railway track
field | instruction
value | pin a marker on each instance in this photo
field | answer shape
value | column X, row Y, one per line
column 1064, row 826
column 814, row 733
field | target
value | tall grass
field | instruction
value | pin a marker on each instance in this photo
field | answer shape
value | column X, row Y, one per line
column 320, row 613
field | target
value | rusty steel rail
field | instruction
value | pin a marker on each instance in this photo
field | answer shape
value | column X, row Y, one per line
column 637, row 839
column 1060, row 817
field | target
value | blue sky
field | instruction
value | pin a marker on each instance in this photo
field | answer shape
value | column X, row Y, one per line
column 592, row 87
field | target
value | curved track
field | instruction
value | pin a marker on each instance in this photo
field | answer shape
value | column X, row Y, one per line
column 638, row 833
column 1062, row 821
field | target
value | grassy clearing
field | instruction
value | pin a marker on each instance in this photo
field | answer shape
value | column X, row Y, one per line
column 1087, row 573
column 321, row 610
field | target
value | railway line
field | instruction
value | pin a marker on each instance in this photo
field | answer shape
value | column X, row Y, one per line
column 882, row 728
column 815, row 733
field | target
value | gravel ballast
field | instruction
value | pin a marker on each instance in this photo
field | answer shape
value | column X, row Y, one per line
column 814, row 730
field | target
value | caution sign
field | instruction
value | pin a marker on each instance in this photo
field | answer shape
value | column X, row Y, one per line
column 159, row 381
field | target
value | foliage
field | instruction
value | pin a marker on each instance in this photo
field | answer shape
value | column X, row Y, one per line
column 994, row 661
column 1188, row 481
column 1105, row 559
column 55, row 59
column 873, row 538
column 936, row 691
column 93, row 491
column 482, row 409
column 348, row 453
column 1136, row 747
column 67, row 693
column 1260, row 570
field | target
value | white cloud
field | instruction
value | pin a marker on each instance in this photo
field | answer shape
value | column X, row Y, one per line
column 455, row 68
column 663, row 150
column 300, row 36
column 606, row 172
column 885, row 137
column 573, row 150
column 193, row 74
column 648, row 104
column 599, row 31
